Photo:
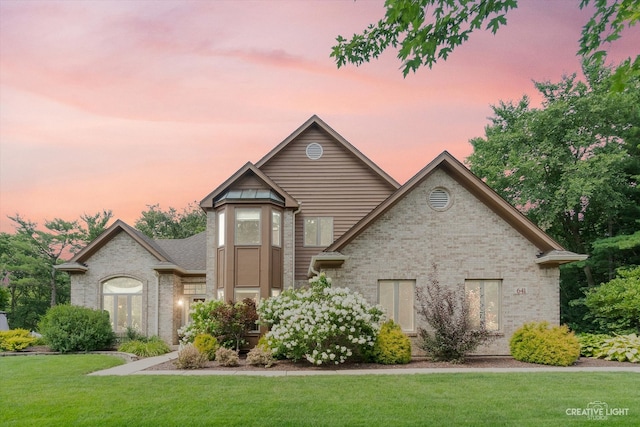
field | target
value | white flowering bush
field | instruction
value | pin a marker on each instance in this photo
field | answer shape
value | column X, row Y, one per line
column 323, row 325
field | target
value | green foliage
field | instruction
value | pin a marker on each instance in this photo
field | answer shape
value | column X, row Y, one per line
column 202, row 321
column 615, row 305
column 69, row 328
column 572, row 167
column 148, row 347
column 28, row 259
column 392, row 345
column 171, row 224
column 447, row 311
column 15, row 340
column 320, row 324
column 227, row 357
column 623, row 348
column 190, row 358
column 590, row 344
column 425, row 31
column 421, row 39
column 5, row 297
column 227, row 322
column 259, row 356
column 207, row 345
column 538, row 343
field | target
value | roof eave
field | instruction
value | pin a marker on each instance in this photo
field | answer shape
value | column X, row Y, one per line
column 324, row 261
column 72, row 267
column 555, row 258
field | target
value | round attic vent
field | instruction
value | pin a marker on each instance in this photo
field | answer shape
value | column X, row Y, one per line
column 314, row 151
column 439, row 199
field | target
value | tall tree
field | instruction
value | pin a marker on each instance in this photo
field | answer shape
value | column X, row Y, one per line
column 171, row 224
column 571, row 166
column 28, row 259
column 60, row 239
column 425, row 31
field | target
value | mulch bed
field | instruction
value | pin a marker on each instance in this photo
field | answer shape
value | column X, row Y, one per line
column 471, row 362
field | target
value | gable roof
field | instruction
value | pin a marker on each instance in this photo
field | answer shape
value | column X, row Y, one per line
column 208, row 201
column 479, row 189
column 316, row 121
column 183, row 255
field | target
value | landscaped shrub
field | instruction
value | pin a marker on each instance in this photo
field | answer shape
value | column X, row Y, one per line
column 590, row 344
column 320, row 324
column 392, row 346
column 623, row 348
column 145, row 347
column 538, row 343
column 16, row 340
column 448, row 312
column 202, row 321
column 227, row 322
column 227, row 357
column 615, row 305
column 235, row 320
column 190, row 358
column 259, row 356
column 68, row 328
column 207, row 345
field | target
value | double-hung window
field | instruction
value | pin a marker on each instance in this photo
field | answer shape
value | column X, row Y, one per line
column 397, row 299
column 318, row 231
column 484, row 297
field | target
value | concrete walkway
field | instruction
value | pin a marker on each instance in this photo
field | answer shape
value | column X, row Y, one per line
column 138, row 368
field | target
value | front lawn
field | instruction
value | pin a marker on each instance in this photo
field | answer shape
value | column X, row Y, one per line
column 54, row 391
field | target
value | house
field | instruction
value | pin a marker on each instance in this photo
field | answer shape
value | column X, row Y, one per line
column 315, row 203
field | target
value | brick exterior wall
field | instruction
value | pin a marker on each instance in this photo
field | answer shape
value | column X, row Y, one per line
column 466, row 241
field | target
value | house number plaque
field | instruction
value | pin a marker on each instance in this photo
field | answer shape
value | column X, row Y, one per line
column 520, row 291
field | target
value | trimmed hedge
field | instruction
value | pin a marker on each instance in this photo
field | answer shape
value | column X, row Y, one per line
column 68, row 328
column 538, row 343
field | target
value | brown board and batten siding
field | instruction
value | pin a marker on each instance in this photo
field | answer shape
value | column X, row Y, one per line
column 339, row 184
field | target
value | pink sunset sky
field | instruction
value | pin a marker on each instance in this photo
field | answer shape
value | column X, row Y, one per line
column 123, row 104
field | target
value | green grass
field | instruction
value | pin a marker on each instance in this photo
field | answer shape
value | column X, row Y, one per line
column 55, row 391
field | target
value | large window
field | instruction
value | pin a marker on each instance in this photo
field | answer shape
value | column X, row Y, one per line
column 247, row 226
column 484, row 303
column 318, row 231
column 276, row 227
column 396, row 298
column 122, row 298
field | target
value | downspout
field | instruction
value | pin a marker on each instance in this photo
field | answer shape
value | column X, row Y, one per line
column 157, row 303
column 293, row 284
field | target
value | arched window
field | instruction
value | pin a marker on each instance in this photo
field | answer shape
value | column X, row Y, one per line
column 122, row 298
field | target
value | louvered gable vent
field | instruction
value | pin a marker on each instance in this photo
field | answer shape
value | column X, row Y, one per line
column 439, row 198
column 314, row 151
